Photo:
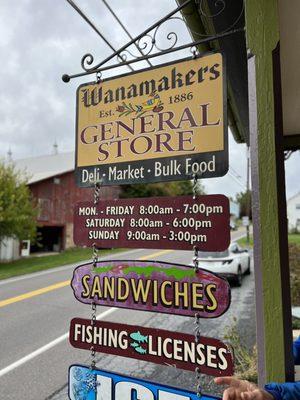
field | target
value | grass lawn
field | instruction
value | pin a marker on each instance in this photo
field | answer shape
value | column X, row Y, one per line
column 293, row 238
column 34, row 264
column 243, row 242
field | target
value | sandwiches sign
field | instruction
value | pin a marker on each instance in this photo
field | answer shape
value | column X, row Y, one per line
column 152, row 286
column 161, row 124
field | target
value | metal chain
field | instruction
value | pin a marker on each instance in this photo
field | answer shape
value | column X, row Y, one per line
column 198, row 384
column 196, row 258
column 98, row 76
column 197, row 315
column 195, row 184
column 94, row 309
column 97, row 188
column 197, row 369
column 197, row 333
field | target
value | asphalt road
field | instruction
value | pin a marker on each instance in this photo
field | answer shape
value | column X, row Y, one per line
column 35, row 312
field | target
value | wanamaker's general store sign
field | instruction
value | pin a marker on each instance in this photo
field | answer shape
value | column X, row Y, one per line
column 161, row 124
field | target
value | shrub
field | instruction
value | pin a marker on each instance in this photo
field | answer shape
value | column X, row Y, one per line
column 245, row 360
column 294, row 256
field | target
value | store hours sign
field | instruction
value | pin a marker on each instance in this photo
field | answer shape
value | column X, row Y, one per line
column 160, row 124
column 178, row 223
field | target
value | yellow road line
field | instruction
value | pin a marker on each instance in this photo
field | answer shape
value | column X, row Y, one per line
column 59, row 285
column 34, row 293
column 159, row 253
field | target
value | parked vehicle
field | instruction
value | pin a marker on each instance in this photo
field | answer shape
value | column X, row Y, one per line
column 233, row 226
column 232, row 264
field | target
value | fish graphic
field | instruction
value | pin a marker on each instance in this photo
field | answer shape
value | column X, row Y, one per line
column 134, row 344
column 138, row 337
column 140, row 350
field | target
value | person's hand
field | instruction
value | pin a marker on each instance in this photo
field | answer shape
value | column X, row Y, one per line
column 242, row 390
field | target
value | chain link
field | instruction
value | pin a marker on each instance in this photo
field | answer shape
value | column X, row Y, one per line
column 98, row 77
column 195, row 186
column 198, row 384
column 197, row 315
column 97, row 188
column 196, row 259
column 197, row 369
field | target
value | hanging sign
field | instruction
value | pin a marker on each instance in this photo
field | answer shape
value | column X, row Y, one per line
column 160, row 124
column 96, row 384
column 175, row 349
column 152, row 286
column 178, row 223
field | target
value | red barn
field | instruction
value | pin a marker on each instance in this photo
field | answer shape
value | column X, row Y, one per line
column 51, row 181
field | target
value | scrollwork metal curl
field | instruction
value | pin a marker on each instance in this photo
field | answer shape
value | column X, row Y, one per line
column 204, row 14
column 171, row 36
column 122, row 57
column 155, row 41
column 146, row 46
column 218, row 3
column 86, row 60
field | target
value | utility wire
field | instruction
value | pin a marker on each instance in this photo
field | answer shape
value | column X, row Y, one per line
column 81, row 13
column 235, row 173
column 238, row 181
column 124, row 29
column 237, row 176
column 243, row 183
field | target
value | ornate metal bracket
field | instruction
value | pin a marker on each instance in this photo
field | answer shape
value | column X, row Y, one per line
column 148, row 41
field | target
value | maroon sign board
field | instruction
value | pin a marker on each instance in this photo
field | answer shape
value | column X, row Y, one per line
column 152, row 286
column 159, row 346
column 158, row 223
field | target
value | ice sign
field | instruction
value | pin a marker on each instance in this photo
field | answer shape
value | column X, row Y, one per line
column 86, row 384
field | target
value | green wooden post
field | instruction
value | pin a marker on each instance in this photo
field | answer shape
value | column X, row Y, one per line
column 270, row 244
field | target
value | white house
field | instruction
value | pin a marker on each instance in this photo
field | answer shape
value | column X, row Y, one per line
column 293, row 213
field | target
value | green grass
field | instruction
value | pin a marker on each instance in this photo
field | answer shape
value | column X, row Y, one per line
column 34, row 264
column 243, row 242
column 293, row 238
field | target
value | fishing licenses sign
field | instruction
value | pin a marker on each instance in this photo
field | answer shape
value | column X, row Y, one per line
column 178, row 223
column 152, row 286
column 175, row 349
column 159, row 124
column 97, row 384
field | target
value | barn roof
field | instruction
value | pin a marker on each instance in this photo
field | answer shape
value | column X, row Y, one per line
column 44, row 167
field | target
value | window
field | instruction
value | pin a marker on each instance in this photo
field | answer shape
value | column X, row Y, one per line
column 297, row 206
column 44, row 209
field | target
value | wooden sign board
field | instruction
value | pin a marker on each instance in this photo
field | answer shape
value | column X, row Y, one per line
column 178, row 223
column 97, row 384
column 152, row 286
column 175, row 349
column 160, row 124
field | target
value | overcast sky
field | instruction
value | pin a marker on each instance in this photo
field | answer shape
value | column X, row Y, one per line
column 42, row 39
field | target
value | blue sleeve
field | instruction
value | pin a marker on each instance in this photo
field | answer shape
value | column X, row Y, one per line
column 284, row 391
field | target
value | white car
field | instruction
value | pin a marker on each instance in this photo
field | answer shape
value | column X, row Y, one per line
column 232, row 264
